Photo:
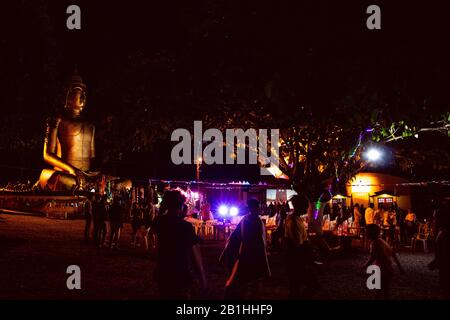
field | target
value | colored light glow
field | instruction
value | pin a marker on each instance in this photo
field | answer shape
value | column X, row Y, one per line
column 240, row 182
column 373, row 155
column 223, row 210
column 195, row 195
column 276, row 172
column 316, row 210
column 234, row 211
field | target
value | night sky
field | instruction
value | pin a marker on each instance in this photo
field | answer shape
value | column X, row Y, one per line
column 146, row 60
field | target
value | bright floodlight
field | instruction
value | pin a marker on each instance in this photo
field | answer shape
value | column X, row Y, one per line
column 373, row 155
column 223, row 210
column 234, row 211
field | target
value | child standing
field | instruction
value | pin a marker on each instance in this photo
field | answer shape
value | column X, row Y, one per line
column 381, row 254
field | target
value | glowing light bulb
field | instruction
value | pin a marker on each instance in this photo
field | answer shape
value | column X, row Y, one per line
column 373, row 155
column 223, row 210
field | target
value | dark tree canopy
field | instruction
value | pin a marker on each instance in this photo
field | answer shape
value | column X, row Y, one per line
column 153, row 67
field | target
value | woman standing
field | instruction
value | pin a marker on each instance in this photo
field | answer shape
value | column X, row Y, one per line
column 356, row 216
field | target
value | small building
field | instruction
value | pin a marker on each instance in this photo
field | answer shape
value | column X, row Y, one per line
column 379, row 189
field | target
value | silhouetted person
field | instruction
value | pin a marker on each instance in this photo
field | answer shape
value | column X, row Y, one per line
column 362, row 210
column 381, row 254
column 176, row 244
column 136, row 222
column 400, row 217
column 410, row 222
column 116, row 222
column 287, row 207
column 245, row 256
column 147, row 221
column 106, row 232
column 341, row 214
column 103, row 217
column 98, row 218
column 88, row 219
column 441, row 259
column 271, row 209
column 278, row 233
column 283, row 213
column 389, row 223
column 299, row 255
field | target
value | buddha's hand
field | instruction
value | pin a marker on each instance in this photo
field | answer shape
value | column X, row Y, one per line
column 92, row 174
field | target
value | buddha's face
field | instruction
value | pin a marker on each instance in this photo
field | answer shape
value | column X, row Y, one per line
column 76, row 100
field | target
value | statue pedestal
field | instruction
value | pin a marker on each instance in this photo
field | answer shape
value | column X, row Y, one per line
column 48, row 205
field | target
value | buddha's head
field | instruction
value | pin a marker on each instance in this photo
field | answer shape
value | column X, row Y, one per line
column 76, row 96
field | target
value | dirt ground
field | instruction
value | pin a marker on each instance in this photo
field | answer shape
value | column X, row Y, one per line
column 35, row 252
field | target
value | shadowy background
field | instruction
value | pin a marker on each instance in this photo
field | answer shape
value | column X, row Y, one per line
column 153, row 66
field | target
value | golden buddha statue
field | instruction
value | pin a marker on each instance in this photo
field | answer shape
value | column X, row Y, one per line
column 69, row 144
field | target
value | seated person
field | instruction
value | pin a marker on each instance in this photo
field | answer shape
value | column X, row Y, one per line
column 410, row 221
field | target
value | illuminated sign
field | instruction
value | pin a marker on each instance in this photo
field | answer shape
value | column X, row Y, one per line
column 360, row 188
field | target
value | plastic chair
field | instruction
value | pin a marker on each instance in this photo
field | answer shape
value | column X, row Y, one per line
column 421, row 236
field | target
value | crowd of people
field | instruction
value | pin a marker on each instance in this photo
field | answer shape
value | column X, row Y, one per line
column 397, row 226
column 245, row 255
column 104, row 220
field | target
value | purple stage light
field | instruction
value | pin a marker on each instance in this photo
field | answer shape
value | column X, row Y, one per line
column 234, row 211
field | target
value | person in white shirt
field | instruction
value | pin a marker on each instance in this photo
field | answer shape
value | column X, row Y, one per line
column 303, row 282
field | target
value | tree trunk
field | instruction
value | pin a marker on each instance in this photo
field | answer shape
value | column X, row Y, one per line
column 317, row 197
column 315, row 216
